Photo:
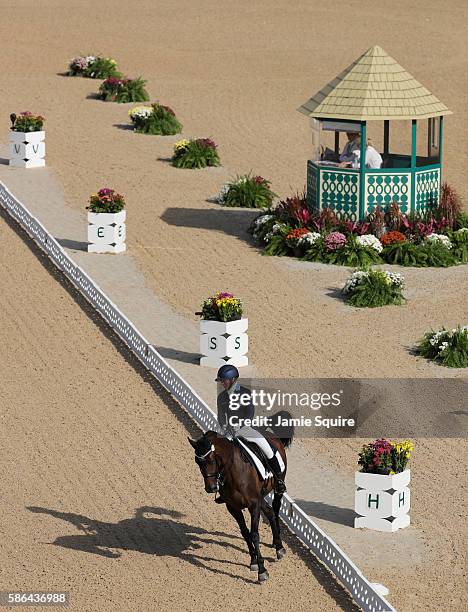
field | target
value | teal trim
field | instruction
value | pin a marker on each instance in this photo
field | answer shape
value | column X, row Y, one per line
column 397, row 170
column 362, row 170
column 414, row 142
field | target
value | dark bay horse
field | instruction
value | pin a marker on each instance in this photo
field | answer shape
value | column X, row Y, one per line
column 225, row 471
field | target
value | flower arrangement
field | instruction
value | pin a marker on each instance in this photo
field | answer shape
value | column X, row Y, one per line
column 374, row 288
column 294, row 237
column 155, row 119
column 26, row 122
column 384, row 457
column 197, row 153
column 447, row 346
column 222, row 307
column 393, row 237
column 93, row 67
column 106, row 201
column 123, row 90
column 247, row 191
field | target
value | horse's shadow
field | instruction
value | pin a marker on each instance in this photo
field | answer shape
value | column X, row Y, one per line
column 165, row 535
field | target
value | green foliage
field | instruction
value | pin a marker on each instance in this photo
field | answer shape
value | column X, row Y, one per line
column 27, row 122
column 222, row 307
column 373, row 289
column 460, row 245
column 448, row 346
column 248, row 191
column 195, row 154
column 123, row 90
column 277, row 245
column 423, row 254
column 462, row 220
column 102, row 68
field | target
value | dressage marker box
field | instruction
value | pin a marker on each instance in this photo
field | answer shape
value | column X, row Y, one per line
column 224, row 343
column 106, row 232
column 27, row 149
column 383, row 502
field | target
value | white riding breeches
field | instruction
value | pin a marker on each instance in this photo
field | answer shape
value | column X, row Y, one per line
column 256, row 437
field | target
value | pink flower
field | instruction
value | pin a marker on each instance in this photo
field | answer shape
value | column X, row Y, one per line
column 334, row 241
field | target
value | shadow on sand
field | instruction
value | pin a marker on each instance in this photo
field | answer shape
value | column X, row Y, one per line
column 228, row 221
column 328, row 512
column 164, row 534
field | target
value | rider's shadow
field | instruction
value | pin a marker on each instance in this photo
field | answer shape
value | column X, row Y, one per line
column 162, row 536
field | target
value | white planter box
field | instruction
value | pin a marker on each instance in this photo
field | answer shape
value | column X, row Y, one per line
column 382, row 501
column 106, row 232
column 27, row 149
column 224, row 343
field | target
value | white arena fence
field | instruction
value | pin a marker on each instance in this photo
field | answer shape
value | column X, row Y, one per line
column 322, row 546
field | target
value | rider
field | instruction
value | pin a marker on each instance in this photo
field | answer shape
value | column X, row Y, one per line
column 227, row 376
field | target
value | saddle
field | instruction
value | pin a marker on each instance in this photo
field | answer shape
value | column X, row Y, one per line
column 253, row 449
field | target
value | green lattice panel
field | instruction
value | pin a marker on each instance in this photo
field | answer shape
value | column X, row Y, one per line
column 385, row 188
column 427, row 189
column 311, row 185
column 340, row 192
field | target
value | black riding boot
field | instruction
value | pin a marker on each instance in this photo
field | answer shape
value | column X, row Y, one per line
column 276, row 469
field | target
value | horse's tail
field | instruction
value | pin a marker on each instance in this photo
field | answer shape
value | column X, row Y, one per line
column 283, row 427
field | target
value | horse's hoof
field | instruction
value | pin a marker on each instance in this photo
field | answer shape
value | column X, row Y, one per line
column 280, row 553
column 254, row 567
column 262, row 577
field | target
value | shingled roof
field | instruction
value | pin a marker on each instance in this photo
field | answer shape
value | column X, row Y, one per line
column 374, row 87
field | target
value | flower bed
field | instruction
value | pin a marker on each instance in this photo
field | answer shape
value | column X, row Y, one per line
column 374, row 288
column 123, row 90
column 450, row 347
column 197, row 153
column 93, row 67
column 106, row 201
column 26, row 122
column 247, row 191
column 432, row 240
column 155, row 119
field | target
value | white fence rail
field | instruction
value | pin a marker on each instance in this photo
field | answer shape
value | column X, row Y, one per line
column 363, row 592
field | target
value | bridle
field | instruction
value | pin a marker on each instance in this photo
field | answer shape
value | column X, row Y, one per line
column 202, row 459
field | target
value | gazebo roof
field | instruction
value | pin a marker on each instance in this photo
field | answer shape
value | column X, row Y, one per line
column 374, row 87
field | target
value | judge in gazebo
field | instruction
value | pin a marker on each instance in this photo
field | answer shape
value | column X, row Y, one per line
column 374, row 88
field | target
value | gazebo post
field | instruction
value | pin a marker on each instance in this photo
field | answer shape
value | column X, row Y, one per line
column 337, row 142
column 386, row 137
column 362, row 170
column 413, row 163
column 441, row 129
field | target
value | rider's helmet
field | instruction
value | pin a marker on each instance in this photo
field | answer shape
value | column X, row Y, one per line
column 227, row 372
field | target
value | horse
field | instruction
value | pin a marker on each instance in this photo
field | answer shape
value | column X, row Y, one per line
column 225, row 471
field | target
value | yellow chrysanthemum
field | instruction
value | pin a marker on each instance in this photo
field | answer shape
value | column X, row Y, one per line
column 181, row 144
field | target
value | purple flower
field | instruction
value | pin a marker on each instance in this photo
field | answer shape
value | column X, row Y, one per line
column 206, row 142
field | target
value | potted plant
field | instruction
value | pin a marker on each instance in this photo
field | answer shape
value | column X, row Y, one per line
column 27, row 146
column 247, row 191
column 155, row 119
column 106, row 222
column 223, row 337
column 197, row 153
column 93, row 67
column 382, row 498
column 123, row 90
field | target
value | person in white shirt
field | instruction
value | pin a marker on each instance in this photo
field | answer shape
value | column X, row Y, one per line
column 373, row 157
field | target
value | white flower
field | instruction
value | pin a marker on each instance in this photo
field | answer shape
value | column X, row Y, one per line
column 440, row 238
column 369, row 240
column 274, row 230
column 223, row 192
column 394, row 278
column 462, row 230
column 263, row 219
column 308, row 239
column 354, row 280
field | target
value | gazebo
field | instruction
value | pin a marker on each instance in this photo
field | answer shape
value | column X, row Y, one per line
column 374, row 88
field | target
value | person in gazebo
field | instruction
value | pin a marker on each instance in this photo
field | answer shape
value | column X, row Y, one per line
column 373, row 157
column 352, row 145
